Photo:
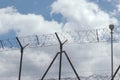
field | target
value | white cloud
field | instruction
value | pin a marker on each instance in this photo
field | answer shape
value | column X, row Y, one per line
column 25, row 24
column 39, row 59
column 82, row 14
column 118, row 7
column 33, row 60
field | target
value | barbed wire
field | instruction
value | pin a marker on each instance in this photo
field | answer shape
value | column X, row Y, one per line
column 91, row 77
column 44, row 40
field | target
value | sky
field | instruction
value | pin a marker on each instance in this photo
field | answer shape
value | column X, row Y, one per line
column 37, row 17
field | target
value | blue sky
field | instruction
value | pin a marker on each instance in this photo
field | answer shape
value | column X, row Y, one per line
column 43, row 7
column 105, row 5
column 38, row 7
column 29, row 6
column 35, row 17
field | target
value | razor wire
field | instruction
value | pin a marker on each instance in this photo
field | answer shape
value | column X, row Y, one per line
column 91, row 77
column 44, row 40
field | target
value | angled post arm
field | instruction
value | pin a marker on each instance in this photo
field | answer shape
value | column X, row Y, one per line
column 21, row 58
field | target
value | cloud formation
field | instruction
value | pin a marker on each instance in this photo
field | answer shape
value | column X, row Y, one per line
column 25, row 24
column 82, row 14
column 79, row 14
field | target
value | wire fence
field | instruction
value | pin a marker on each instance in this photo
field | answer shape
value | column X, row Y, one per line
column 44, row 40
column 91, row 77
